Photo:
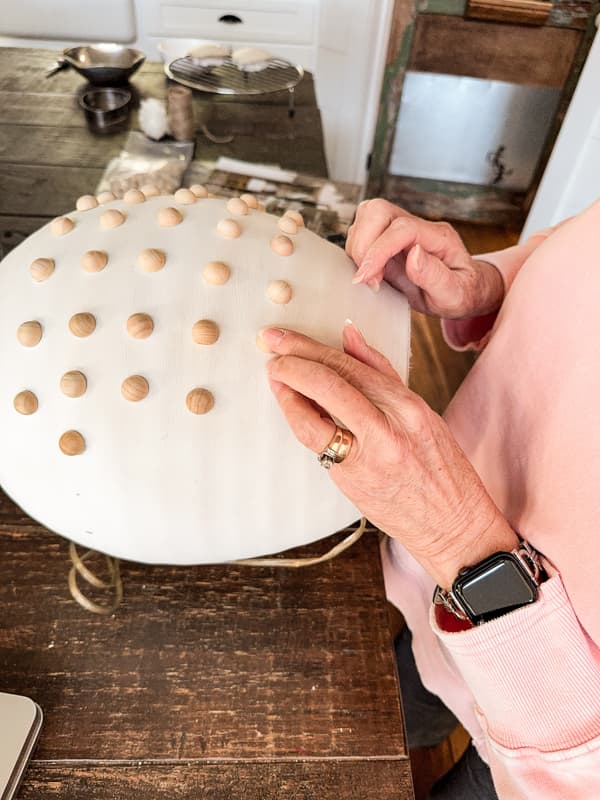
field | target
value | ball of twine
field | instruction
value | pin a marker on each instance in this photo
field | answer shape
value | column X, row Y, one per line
column 180, row 113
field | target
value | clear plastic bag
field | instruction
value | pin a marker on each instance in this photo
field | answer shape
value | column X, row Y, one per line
column 144, row 161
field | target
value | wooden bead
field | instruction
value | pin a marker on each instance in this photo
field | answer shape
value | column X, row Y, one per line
column 26, row 403
column 106, row 197
column 111, row 219
column 287, row 225
column 216, row 273
column 199, row 401
column 41, row 269
column 228, row 229
column 82, row 324
column 250, row 200
column 85, row 202
column 135, row 388
column 184, row 196
column 168, row 217
column 61, row 226
column 94, row 261
column 150, row 190
column 199, row 190
column 237, row 206
column 296, row 216
column 205, row 331
column 72, row 443
column 140, row 326
column 152, row 260
column 29, row 333
column 279, row 292
column 134, row 196
column 282, row 245
column 73, row 384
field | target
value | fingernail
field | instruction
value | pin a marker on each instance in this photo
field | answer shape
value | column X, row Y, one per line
column 374, row 285
column 349, row 324
column 272, row 336
column 418, row 258
column 359, row 275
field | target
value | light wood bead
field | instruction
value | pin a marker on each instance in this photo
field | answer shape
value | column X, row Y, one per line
column 237, row 206
column 199, row 401
column 184, row 196
column 279, row 292
column 29, row 333
column 152, row 259
column 106, row 197
column 140, row 326
column 135, row 388
column 216, row 273
column 26, row 403
column 111, row 219
column 150, row 190
column 199, row 190
column 282, row 245
column 134, row 196
column 73, row 383
column 296, row 216
column 41, row 269
column 228, row 229
column 72, row 443
column 250, row 200
column 287, row 225
column 85, row 202
column 168, row 217
column 82, row 324
column 61, row 226
column 205, row 331
column 94, row 261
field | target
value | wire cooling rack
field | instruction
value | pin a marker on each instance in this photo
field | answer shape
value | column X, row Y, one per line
column 227, row 78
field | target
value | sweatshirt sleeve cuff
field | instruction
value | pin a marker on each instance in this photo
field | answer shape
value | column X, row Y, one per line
column 534, row 673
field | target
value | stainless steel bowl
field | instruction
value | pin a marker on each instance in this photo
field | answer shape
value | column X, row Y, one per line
column 104, row 64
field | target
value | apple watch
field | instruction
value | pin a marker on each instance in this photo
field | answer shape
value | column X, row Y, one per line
column 500, row 583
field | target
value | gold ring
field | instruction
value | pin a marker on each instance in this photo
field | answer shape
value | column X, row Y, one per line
column 337, row 449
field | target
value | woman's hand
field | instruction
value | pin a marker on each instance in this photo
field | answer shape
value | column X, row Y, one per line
column 425, row 260
column 405, row 471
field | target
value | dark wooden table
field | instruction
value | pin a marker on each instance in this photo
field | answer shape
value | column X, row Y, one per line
column 219, row 682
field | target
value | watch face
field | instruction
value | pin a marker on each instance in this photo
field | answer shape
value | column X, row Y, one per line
column 496, row 586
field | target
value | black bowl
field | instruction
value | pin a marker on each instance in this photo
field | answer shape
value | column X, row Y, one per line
column 106, row 109
column 104, row 64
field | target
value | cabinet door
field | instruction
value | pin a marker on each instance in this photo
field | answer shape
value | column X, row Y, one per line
column 74, row 20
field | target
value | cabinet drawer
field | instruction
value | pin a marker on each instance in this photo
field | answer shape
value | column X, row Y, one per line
column 109, row 21
column 289, row 22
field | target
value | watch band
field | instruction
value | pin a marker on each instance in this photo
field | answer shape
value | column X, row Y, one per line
column 528, row 558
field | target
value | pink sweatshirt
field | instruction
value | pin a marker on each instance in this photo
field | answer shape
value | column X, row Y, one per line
column 527, row 685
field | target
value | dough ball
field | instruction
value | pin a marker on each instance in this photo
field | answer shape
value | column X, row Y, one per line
column 26, row 403
column 168, row 217
column 106, row 197
column 152, row 260
column 282, row 245
column 94, row 261
column 111, row 219
column 287, row 225
column 250, row 200
column 184, row 196
column 296, row 216
column 199, row 401
column 73, row 383
column 82, row 325
column 279, row 292
column 216, row 273
column 72, row 443
column 205, row 331
column 237, row 206
column 134, row 196
column 140, row 326
column 61, row 226
column 85, row 202
column 150, row 190
column 228, row 228
column 199, row 190
column 41, row 269
column 29, row 333
column 135, row 388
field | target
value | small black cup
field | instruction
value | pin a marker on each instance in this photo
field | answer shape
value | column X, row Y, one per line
column 106, row 110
